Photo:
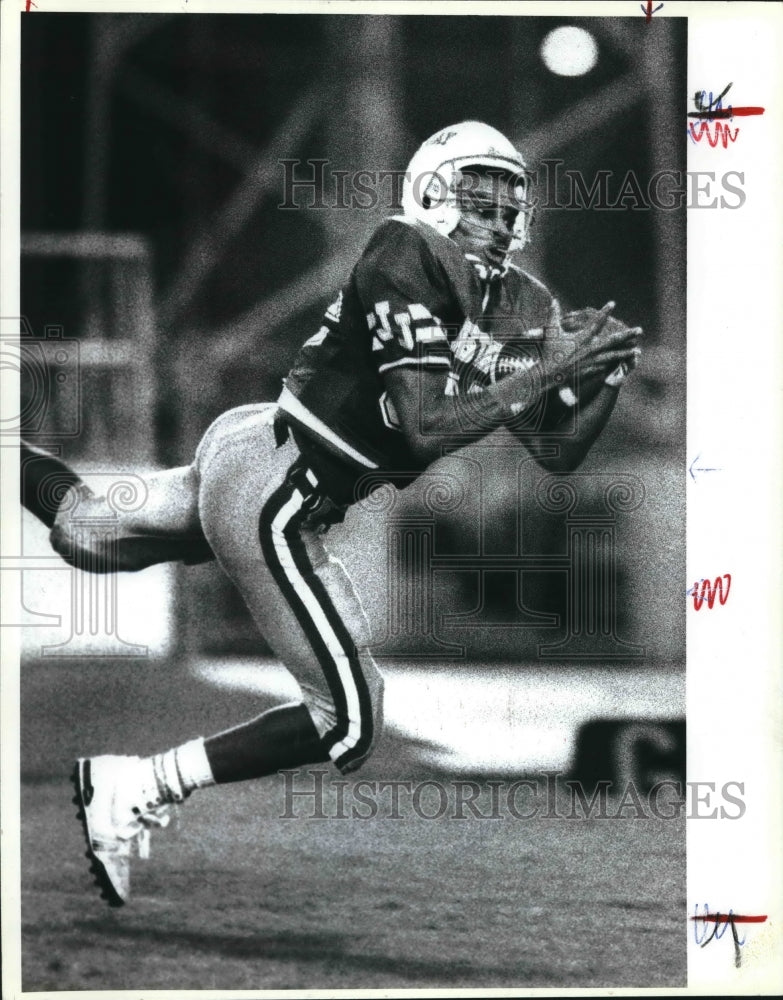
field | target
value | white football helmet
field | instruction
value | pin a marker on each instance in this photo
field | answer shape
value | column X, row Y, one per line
column 429, row 190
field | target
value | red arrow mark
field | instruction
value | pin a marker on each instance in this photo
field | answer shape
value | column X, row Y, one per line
column 648, row 13
column 727, row 113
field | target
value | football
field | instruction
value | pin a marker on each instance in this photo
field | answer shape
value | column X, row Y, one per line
column 512, row 358
column 519, row 356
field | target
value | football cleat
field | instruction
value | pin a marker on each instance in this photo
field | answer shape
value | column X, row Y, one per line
column 116, row 811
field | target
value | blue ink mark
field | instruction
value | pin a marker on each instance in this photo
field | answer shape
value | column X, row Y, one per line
column 693, row 468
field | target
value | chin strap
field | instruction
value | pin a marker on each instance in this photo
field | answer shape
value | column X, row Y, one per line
column 487, row 272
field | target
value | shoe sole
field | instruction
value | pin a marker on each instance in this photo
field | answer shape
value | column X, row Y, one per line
column 81, row 779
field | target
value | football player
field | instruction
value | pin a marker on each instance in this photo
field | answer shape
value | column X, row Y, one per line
column 413, row 360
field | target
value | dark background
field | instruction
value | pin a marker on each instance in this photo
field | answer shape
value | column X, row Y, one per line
column 152, row 239
column 172, row 128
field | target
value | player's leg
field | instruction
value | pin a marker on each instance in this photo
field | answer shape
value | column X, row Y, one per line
column 44, row 479
column 263, row 513
column 163, row 526
column 321, row 634
column 255, row 499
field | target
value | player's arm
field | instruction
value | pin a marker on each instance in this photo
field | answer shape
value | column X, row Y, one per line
column 406, row 293
column 432, row 420
column 598, row 388
column 572, row 449
column 596, row 402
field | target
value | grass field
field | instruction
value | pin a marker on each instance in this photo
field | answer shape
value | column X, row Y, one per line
column 236, row 897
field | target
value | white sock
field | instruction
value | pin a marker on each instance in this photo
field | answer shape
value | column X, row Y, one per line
column 175, row 773
column 193, row 765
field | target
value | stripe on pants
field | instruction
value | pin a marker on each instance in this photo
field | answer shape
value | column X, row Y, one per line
column 287, row 558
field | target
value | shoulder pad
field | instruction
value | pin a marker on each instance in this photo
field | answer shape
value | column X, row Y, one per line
column 413, row 254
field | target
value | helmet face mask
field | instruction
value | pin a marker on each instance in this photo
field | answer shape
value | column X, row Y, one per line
column 493, row 214
column 457, row 177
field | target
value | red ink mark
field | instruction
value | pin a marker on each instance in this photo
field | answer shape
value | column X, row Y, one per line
column 729, row 112
column 710, row 593
column 722, row 134
column 721, row 921
column 28, row 5
column 648, row 10
column 711, row 110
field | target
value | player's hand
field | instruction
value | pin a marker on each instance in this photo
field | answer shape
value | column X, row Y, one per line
column 596, row 348
column 577, row 321
column 594, row 341
column 591, row 381
column 603, row 366
column 590, row 345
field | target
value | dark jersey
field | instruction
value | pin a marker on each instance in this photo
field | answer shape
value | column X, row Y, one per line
column 413, row 300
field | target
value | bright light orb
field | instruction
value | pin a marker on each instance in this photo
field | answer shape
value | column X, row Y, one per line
column 569, row 51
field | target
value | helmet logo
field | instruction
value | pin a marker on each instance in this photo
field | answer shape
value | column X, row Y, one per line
column 443, row 137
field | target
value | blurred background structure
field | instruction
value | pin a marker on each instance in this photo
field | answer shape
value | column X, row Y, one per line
column 152, row 178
